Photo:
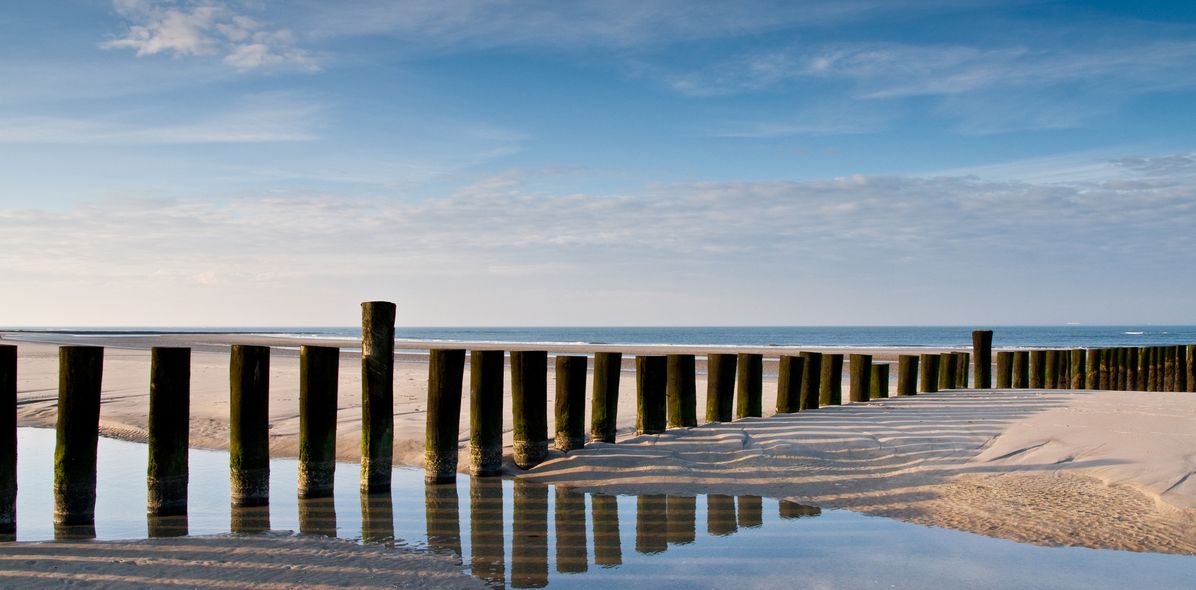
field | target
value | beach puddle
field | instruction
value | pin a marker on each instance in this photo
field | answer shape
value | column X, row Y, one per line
column 518, row 534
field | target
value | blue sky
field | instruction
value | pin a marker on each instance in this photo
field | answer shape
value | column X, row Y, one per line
column 245, row 162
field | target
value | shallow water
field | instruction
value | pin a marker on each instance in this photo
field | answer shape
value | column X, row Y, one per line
column 525, row 535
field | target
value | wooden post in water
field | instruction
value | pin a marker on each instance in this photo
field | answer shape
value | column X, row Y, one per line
column 1051, row 370
column 789, row 377
column 651, row 381
column 1037, row 369
column 879, row 381
column 929, row 377
column 169, row 431
column 8, row 442
column 811, row 380
column 682, row 391
column 907, row 374
column 1004, row 369
column 446, row 367
column 604, row 407
column 831, row 392
column 529, row 407
column 485, row 412
column 946, row 370
column 80, row 372
column 570, row 423
column 319, row 373
column 982, row 350
column 249, row 425
column 720, row 387
column 749, row 391
column 963, row 361
column 1078, row 367
column 377, row 394
column 860, row 387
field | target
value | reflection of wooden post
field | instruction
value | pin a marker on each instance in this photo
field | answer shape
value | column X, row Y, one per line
column 317, row 516
column 1004, row 369
column 570, row 423
column 907, row 374
column 487, row 546
column 929, row 377
column 8, row 442
column 811, row 380
column 789, row 376
column 751, row 513
column 529, row 406
column 946, row 370
column 651, row 381
column 529, row 551
column 570, row 519
column 319, row 369
column 682, row 391
column 651, row 524
column 982, row 351
column 749, row 387
column 80, row 371
column 169, row 431
column 860, row 386
column 604, row 409
column 879, row 381
column 720, row 515
column 791, row 510
column 831, row 392
column 161, row 527
column 682, row 514
column 377, row 394
column 247, row 519
column 604, row 512
column 720, row 387
column 377, row 519
column 249, row 425
column 485, row 412
column 443, row 516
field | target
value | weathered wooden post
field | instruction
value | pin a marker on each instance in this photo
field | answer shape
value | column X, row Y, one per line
column 651, row 523
column 1051, row 370
column 8, row 442
column 1149, row 369
column 529, row 535
column 1190, row 370
column 946, row 370
column 860, row 387
column 963, row 361
column 1021, row 369
column 1123, row 357
column 1169, row 368
column 811, row 380
column 1143, row 368
column 570, row 423
column 982, row 350
column 570, row 523
column 1092, row 372
column 377, row 394
column 907, row 374
column 249, row 425
column 651, row 380
column 1037, row 369
column 831, row 392
column 319, row 373
column 446, row 367
column 1005, row 369
column 682, row 391
column 749, row 392
column 1078, row 366
column 1181, row 368
column 929, row 377
column 169, row 431
column 487, row 540
column 1131, row 369
column 681, row 513
column 604, row 407
column 879, row 381
column 720, row 387
column 720, row 515
column 529, row 406
column 604, row 513
column 80, row 372
column 789, row 376
column 485, row 412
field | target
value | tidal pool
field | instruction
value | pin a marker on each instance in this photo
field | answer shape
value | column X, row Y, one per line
column 524, row 535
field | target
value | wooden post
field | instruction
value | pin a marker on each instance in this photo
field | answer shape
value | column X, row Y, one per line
column 169, row 431
column 1021, row 369
column 720, row 387
column 604, row 408
column 1004, row 369
column 1131, row 369
column 982, row 350
column 485, row 412
column 377, row 394
column 681, row 513
column 569, row 518
column 80, row 372
column 789, row 377
column 249, row 425
column 8, row 442
column 1123, row 354
column 860, row 387
column 1078, row 366
column 651, row 381
column 811, row 380
column 487, row 540
column 907, row 374
column 929, row 377
column 443, row 427
column 879, row 381
column 570, row 423
column 1180, row 370
column 529, row 535
column 651, row 523
column 1143, row 368
column 946, row 371
column 319, row 373
column 1051, row 370
column 963, row 361
column 529, row 406
column 604, row 513
column 749, row 391
column 831, row 392
column 1190, row 369
column 1037, row 369
column 682, row 391
column 1092, row 372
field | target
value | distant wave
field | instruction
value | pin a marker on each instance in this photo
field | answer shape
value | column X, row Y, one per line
column 1134, row 333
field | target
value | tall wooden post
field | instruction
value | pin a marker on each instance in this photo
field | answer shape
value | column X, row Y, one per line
column 831, row 393
column 1123, row 368
column 80, row 372
column 1092, row 372
column 443, row 427
column 604, row 408
column 929, row 378
column 651, row 381
column 963, row 361
column 8, row 441
column 907, row 374
column 377, row 394
column 1037, row 369
column 860, row 387
column 1051, row 370
column 570, row 423
column 1078, row 367
column 319, row 373
column 811, row 380
column 789, row 376
column 682, row 391
column 169, row 431
column 720, row 387
column 1021, row 369
column 1004, row 369
column 485, row 412
column 982, row 351
column 249, row 425
column 1181, row 368
column 1106, row 369
column 879, row 381
column 749, row 392
column 529, row 406
column 1131, row 369
column 946, row 370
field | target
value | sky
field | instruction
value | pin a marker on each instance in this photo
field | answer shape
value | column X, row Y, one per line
column 616, row 162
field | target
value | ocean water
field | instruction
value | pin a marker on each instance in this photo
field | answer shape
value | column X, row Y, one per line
column 823, row 336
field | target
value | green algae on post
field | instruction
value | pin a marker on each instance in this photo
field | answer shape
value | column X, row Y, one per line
column 80, row 372
column 604, row 408
column 249, row 425
column 570, row 422
column 319, row 373
column 446, row 369
column 1037, row 369
column 485, row 412
column 169, row 431
column 377, row 394
column 529, row 407
column 1078, row 368
column 929, row 374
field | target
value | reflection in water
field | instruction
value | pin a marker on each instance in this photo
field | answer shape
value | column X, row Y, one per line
column 720, row 515
column 378, row 519
column 317, row 516
column 651, row 524
column 604, row 511
column 486, row 538
column 443, row 517
column 74, row 532
column 570, row 518
column 166, row 526
column 751, row 513
column 529, row 552
column 790, row 509
column 682, row 517
column 250, row 519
